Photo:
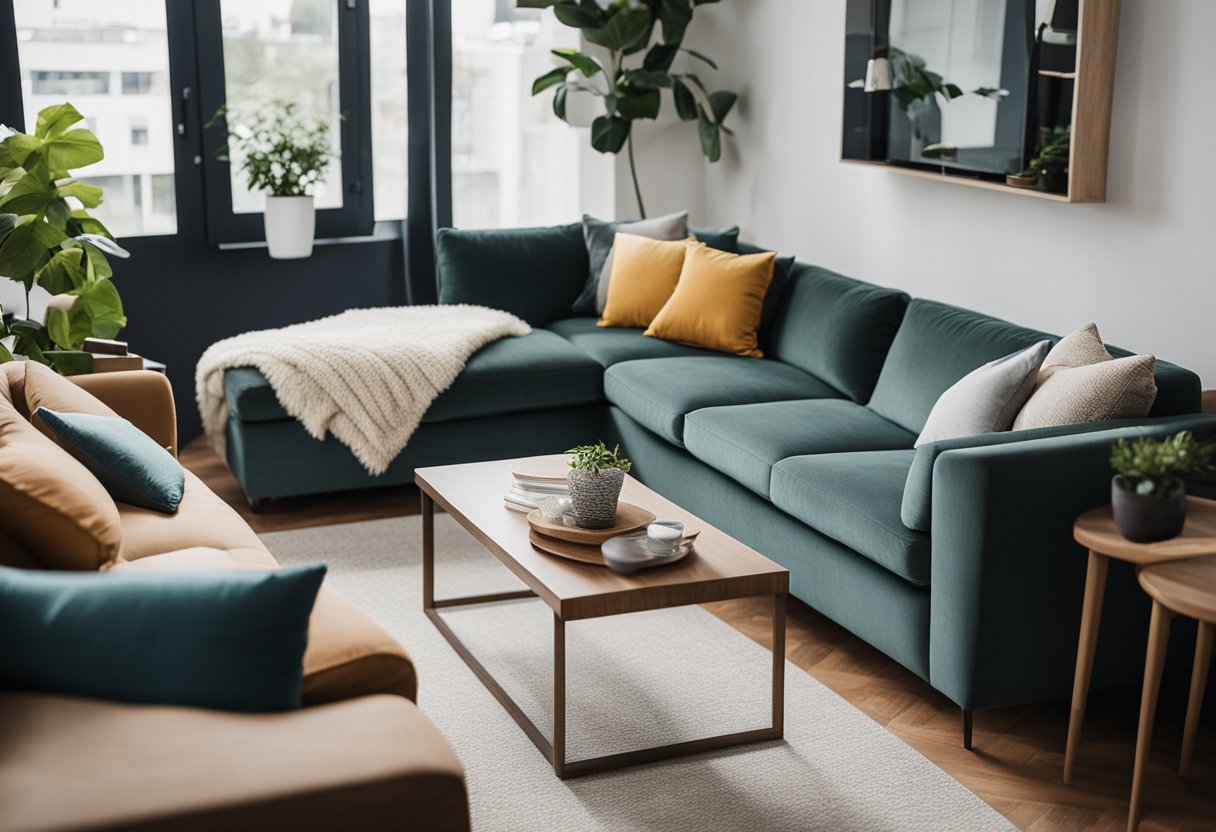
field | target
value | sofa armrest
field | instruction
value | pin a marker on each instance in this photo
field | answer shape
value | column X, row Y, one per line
column 142, row 396
column 1007, row 577
column 370, row 763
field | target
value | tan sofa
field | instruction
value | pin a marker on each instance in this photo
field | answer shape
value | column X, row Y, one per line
column 358, row 755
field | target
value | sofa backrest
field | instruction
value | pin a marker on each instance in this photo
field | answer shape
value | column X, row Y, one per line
column 938, row 344
column 535, row 273
column 836, row 328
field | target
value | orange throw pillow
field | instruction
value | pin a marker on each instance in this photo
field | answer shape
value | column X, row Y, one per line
column 644, row 274
column 717, row 302
column 51, row 504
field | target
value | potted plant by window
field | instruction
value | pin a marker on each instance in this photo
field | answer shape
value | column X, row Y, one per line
column 1148, row 497
column 49, row 239
column 282, row 155
column 595, row 484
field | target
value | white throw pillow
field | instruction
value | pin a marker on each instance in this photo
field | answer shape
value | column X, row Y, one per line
column 1081, row 382
column 987, row 399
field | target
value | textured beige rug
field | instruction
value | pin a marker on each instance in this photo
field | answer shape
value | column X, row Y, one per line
column 633, row 681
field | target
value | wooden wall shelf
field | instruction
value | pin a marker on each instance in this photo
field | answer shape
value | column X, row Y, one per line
column 1094, row 83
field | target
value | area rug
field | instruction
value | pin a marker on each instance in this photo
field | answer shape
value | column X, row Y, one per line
column 632, row 681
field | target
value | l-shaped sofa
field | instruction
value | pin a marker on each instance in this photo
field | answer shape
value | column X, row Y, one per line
column 956, row 559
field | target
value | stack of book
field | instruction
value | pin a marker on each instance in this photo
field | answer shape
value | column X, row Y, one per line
column 532, row 480
column 110, row 356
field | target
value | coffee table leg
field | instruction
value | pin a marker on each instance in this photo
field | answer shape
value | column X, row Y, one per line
column 779, row 664
column 559, row 696
column 1091, row 618
column 428, row 551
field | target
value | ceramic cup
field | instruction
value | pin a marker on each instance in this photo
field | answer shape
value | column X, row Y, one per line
column 663, row 537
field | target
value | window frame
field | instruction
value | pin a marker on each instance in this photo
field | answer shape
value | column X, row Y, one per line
column 356, row 217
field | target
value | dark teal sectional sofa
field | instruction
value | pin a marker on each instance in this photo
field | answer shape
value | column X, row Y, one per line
column 955, row 559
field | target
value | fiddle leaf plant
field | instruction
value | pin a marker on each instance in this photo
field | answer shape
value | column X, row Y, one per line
column 48, row 238
column 631, row 88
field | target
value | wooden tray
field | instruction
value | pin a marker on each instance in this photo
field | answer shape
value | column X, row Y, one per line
column 629, row 518
column 565, row 549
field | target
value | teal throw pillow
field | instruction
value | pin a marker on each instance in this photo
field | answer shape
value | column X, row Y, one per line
column 723, row 239
column 230, row 641
column 128, row 462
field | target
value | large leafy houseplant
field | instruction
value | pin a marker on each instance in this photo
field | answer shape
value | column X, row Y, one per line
column 49, row 239
column 630, row 88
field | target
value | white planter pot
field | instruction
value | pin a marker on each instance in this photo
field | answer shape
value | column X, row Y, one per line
column 291, row 224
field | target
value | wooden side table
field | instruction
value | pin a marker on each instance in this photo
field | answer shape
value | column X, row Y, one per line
column 1096, row 531
column 1186, row 588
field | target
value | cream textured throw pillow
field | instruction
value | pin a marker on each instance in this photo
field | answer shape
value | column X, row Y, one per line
column 987, row 399
column 1081, row 382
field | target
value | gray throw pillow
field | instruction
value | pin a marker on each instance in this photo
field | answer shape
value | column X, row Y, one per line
column 599, row 235
column 987, row 399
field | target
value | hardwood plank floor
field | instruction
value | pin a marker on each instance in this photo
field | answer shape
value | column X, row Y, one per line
column 1019, row 752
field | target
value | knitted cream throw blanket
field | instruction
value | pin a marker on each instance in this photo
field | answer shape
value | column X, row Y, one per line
column 365, row 376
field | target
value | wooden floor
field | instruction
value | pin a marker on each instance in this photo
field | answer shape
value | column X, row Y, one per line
column 1019, row 752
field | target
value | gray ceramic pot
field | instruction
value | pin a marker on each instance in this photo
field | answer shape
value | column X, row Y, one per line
column 1147, row 518
column 593, row 497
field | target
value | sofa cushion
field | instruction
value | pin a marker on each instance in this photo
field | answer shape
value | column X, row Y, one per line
column 375, row 763
column 46, row 388
column 836, row 328
column 229, row 640
column 202, row 519
column 612, row 345
column 531, row 372
column 659, row 392
column 746, row 441
column 936, row 346
column 855, row 498
column 348, row 653
column 535, row 273
column 50, row 503
column 535, row 372
column 600, row 236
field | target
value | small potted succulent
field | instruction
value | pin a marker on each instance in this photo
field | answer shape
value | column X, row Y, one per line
column 1147, row 493
column 595, row 484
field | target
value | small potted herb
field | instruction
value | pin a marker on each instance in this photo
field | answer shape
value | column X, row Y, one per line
column 1147, row 493
column 1051, row 164
column 595, row 484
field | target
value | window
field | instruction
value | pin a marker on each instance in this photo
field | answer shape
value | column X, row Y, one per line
column 144, row 83
column 52, row 82
column 77, row 51
column 511, row 157
column 390, row 135
column 252, row 54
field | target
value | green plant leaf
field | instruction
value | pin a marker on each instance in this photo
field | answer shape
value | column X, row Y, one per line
column 7, row 223
column 623, row 29
column 638, row 103
column 660, row 57
column 5, row 355
column 577, row 16
column 55, row 120
column 71, row 362
column 550, row 79
column 86, row 224
column 16, row 149
column 63, row 272
column 721, row 103
column 74, row 149
column 103, row 308
column 608, row 133
column 686, row 103
column 647, row 79
column 700, row 56
column 24, row 248
column 675, row 15
column 583, row 63
column 559, row 101
column 30, row 332
column 710, row 135
column 89, row 195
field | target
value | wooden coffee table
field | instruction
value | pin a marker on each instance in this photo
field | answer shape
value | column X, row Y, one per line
column 719, row 568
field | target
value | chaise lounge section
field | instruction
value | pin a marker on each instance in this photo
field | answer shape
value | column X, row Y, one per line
column 956, row 559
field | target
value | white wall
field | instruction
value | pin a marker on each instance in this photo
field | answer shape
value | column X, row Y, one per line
column 1142, row 265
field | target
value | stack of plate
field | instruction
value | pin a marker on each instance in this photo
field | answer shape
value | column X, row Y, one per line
column 534, row 479
column 622, row 548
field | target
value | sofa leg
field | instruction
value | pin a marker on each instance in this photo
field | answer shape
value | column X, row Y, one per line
column 258, row 504
column 967, row 713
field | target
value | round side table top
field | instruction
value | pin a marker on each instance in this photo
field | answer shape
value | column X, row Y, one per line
column 1187, row 587
column 1096, row 531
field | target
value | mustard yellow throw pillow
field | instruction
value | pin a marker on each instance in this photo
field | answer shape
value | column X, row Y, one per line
column 718, row 301
column 644, row 274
